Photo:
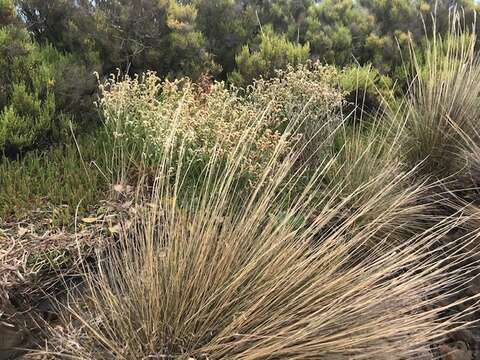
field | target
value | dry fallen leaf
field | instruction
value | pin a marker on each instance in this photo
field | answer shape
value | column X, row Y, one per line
column 119, row 188
column 115, row 229
column 89, row 220
column 22, row 231
column 127, row 205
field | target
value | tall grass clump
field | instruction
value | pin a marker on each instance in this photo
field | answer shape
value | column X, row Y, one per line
column 364, row 164
column 470, row 178
column 209, row 275
column 442, row 103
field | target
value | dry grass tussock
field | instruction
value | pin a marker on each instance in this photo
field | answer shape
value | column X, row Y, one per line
column 209, row 275
column 441, row 106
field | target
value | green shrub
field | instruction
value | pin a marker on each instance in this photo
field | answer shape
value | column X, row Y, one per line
column 36, row 94
column 147, row 113
column 226, row 27
column 365, row 87
column 74, row 83
column 307, row 95
column 337, row 30
column 274, row 52
column 7, row 12
column 27, row 102
column 209, row 122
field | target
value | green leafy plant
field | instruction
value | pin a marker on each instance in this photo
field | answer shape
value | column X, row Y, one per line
column 145, row 113
column 274, row 52
column 366, row 88
column 31, row 102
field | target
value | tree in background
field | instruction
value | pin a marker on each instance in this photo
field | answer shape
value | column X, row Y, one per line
column 227, row 25
column 440, row 13
column 28, row 116
column 158, row 35
column 285, row 16
column 273, row 52
column 69, row 25
column 337, row 31
column 396, row 23
column 133, row 36
column 7, row 13
column 187, row 54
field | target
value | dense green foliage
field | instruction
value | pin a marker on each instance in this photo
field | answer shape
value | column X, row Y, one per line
column 236, row 39
column 188, row 38
column 134, row 36
column 50, row 50
column 274, row 52
column 41, row 88
column 337, row 30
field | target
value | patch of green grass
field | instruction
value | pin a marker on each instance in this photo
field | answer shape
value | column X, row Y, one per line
column 51, row 259
column 58, row 180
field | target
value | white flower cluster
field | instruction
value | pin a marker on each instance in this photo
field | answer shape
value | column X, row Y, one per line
column 213, row 120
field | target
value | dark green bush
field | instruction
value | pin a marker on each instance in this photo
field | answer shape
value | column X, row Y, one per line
column 40, row 89
column 365, row 88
